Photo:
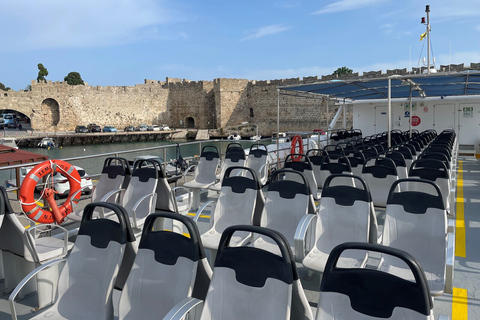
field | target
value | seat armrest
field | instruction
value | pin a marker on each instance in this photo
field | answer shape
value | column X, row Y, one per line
column 32, row 237
column 152, row 196
column 300, row 238
column 202, row 208
column 451, row 223
column 181, row 309
column 174, row 198
column 450, row 263
column 13, row 295
column 193, row 166
column 109, row 194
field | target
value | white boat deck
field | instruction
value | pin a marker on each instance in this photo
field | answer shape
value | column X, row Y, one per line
column 462, row 304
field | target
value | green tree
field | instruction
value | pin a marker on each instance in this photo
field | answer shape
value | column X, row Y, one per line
column 2, row 87
column 342, row 71
column 42, row 73
column 28, row 88
column 74, row 78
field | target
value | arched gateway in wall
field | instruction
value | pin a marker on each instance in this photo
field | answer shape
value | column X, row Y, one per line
column 190, row 122
column 49, row 115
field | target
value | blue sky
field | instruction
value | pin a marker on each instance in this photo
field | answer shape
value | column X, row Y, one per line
column 123, row 42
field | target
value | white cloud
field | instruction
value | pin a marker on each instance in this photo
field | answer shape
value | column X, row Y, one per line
column 266, row 31
column 86, row 23
column 287, row 5
column 347, row 5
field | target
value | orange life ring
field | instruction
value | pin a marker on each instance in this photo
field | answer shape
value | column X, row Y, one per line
column 296, row 140
column 57, row 213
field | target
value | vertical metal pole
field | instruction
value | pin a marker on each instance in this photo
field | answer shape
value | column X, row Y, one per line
column 328, row 112
column 344, row 115
column 427, row 10
column 278, row 128
column 410, row 110
column 165, row 161
column 389, row 112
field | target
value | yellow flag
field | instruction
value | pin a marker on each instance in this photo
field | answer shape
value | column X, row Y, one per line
column 423, row 35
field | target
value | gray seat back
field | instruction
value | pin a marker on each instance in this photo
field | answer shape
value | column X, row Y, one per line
column 13, row 235
column 164, row 270
column 205, row 172
column 435, row 171
column 304, row 166
column 316, row 156
column 115, row 171
column 165, row 200
column 237, row 200
column 339, row 164
column 257, row 161
column 345, row 215
column 379, row 176
column 90, row 270
column 286, row 203
column 416, row 221
column 251, row 283
column 143, row 182
column 362, row 293
column 234, row 156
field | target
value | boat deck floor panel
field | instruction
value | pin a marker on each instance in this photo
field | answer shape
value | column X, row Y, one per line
column 463, row 304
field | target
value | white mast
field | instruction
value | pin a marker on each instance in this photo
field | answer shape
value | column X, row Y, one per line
column 427, row 10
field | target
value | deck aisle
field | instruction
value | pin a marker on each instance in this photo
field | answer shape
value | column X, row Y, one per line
column 464, row 303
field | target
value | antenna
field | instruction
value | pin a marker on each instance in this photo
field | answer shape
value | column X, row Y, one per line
column 427, row 10
column 427, row 33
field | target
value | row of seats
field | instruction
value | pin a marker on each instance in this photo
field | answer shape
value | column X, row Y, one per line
column 246, row 282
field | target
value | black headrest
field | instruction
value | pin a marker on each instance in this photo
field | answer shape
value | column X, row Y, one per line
column 288, row 189
column 258, row 153
column 298, row 165
column 103, row 231
column 235, row 156
column 373, row 292
column 145, row 173
column 346, row 195
column 254, row 266
column 416, row 202
column 240, row 184
column 168, row 246
column 113, row 171
column 118, row 161
column 209, row 155
column 380, row 171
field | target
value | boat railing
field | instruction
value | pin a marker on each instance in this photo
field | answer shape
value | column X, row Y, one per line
column 165, row 150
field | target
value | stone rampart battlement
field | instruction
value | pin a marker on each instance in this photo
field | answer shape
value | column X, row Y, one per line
column 177, row 83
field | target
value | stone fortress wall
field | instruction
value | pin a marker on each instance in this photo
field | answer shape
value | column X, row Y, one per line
column 221, row 103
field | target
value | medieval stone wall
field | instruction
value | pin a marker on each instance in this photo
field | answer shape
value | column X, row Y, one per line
column 221, row 103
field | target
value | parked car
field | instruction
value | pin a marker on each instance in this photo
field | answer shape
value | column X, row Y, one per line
column 60, row 182
column 141, row 127
column 164, row 127
column 154, row 127
column 92, row 127
column 129, row 129
column 61, row 185
column 109, row 129
column 172, row 173
column 81, row 129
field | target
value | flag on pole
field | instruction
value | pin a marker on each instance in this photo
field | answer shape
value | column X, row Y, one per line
column 423, row 35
